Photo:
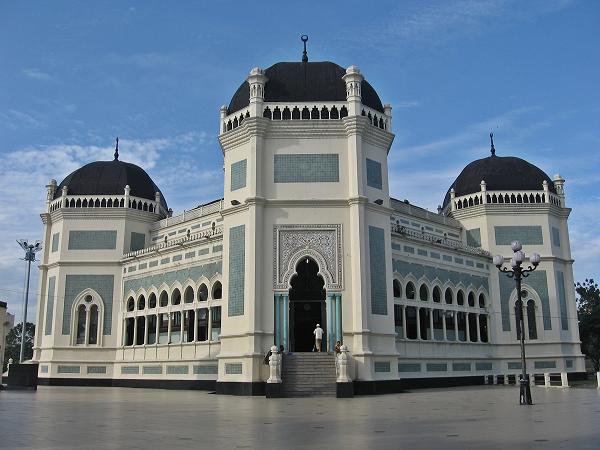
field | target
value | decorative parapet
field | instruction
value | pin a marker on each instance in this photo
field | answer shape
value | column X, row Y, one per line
column 438, row 241
column 304, row 111
column 200, row 211
column 206, row 234
column 106, row 201
column 503, row 197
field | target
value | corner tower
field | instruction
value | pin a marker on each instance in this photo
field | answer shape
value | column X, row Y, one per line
column 306, row 218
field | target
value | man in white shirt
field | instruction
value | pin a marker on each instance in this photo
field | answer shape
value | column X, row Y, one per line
column 318, row 337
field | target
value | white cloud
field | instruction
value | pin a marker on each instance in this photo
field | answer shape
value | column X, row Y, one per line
column 36, row 74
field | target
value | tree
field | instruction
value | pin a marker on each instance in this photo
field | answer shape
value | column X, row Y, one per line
column 13, row 343
column 588, row 313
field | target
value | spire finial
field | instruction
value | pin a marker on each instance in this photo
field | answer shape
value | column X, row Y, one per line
column 304, row 38
column 117, row 150
column 492, row 149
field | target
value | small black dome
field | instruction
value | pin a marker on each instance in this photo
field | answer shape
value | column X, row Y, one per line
column 110, row 178
column 500, row 173
column 305, row 82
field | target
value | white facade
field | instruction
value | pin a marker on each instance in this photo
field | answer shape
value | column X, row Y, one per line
column 7, row 321
column 211, row 290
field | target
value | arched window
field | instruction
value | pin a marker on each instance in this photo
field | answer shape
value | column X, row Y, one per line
column 471, row 299
column 141, row 302
column 203, row 293
column 87, row 315
column 176, row 297
column 130, row 304
column 152, row 301
column 164, row 299
column 410, row 290
column 481, row 301
column 437, row 294
column 423, row 293
column 188, row 296
column 217, row 291
column 448, row 296
column 531, row 324
column 460, row 298
column 397, row 289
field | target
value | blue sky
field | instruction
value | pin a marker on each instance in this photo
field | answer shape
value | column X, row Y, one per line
column 73, row 75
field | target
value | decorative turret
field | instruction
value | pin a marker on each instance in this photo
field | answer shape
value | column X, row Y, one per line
column 50, row 190
column 559, row 185
column 353, row 80
column 256, row 81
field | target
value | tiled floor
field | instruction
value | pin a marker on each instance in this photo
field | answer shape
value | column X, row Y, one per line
column 486, row 417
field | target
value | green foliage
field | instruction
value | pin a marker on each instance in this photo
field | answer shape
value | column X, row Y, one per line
column 13, row 343
column 588, row 312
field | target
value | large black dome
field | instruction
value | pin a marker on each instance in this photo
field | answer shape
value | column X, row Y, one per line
column 110, row 178
column 500, row 173
column 305, row 82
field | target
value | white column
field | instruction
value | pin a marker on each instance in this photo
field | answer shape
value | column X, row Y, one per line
column 404, row 321
column 431, row 333
column 467, row 327
column 444, row 324
column 157, row 329
column 135, row 327
column 195, row 325
column 87, row 322
column 478, row 328
column 418, row 322
column 145, row 330
column 170, row 319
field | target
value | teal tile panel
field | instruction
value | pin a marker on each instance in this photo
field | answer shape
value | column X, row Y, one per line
column 143, row 266
column 306, row 168
column 152, row 370
column 555, row 237
column 180, row 275
column 409, row 367
column 474, row 237
column 68, row 369
column 421, row 252
column 569, row 363
column 75, row 284
column 238, row 175
column 483, row 366
column 237, row 264
column 44, row 369
column 217, row 248
column 461, row 367
column 153, row 263
column 50, row 305
column 130, row 370
column 382, row 366
column 374, row 178
column 562, row 299
column 437, row 367
column 377, row 269
column 203, row 251
column 514, row 365
column 408, row 249
column 190, row 255
column 206, row 370
column 178, row 370
column 177, row 258
column 55, row 240
column 544, row 364
column 435, row 255
column 525, row 234
column 138, row 241
column 92, row 239
column 233, row 368
column 96, row 370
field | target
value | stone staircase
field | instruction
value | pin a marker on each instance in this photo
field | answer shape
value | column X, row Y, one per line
column 308, row 374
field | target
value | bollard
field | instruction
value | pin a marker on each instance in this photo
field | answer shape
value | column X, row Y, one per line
column 274, row 361
column 598, row 379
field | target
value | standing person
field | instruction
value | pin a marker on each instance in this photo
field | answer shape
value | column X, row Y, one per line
column 318, row 337
column 338, row 347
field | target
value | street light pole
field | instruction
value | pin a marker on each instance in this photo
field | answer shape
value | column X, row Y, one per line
column 518, row 273
column 30, row 251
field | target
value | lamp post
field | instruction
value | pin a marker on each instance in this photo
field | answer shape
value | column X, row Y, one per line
column 30, row 251
column 518, row 273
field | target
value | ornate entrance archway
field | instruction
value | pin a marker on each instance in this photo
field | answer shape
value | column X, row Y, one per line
column 307, row 305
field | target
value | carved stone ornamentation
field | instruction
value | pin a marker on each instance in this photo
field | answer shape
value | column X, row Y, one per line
column 323, row 243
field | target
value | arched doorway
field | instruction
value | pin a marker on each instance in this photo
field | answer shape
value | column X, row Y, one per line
column 307, row 306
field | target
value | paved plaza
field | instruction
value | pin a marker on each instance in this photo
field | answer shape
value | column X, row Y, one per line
column 475, row 417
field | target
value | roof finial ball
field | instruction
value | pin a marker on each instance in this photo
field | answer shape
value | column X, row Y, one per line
column 492, row 149
column 117, row 149
column 304, row 39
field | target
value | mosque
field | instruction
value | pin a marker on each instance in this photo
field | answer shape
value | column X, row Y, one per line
column 306, row 232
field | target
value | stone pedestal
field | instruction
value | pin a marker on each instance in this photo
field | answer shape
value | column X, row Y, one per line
column 22, row 377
